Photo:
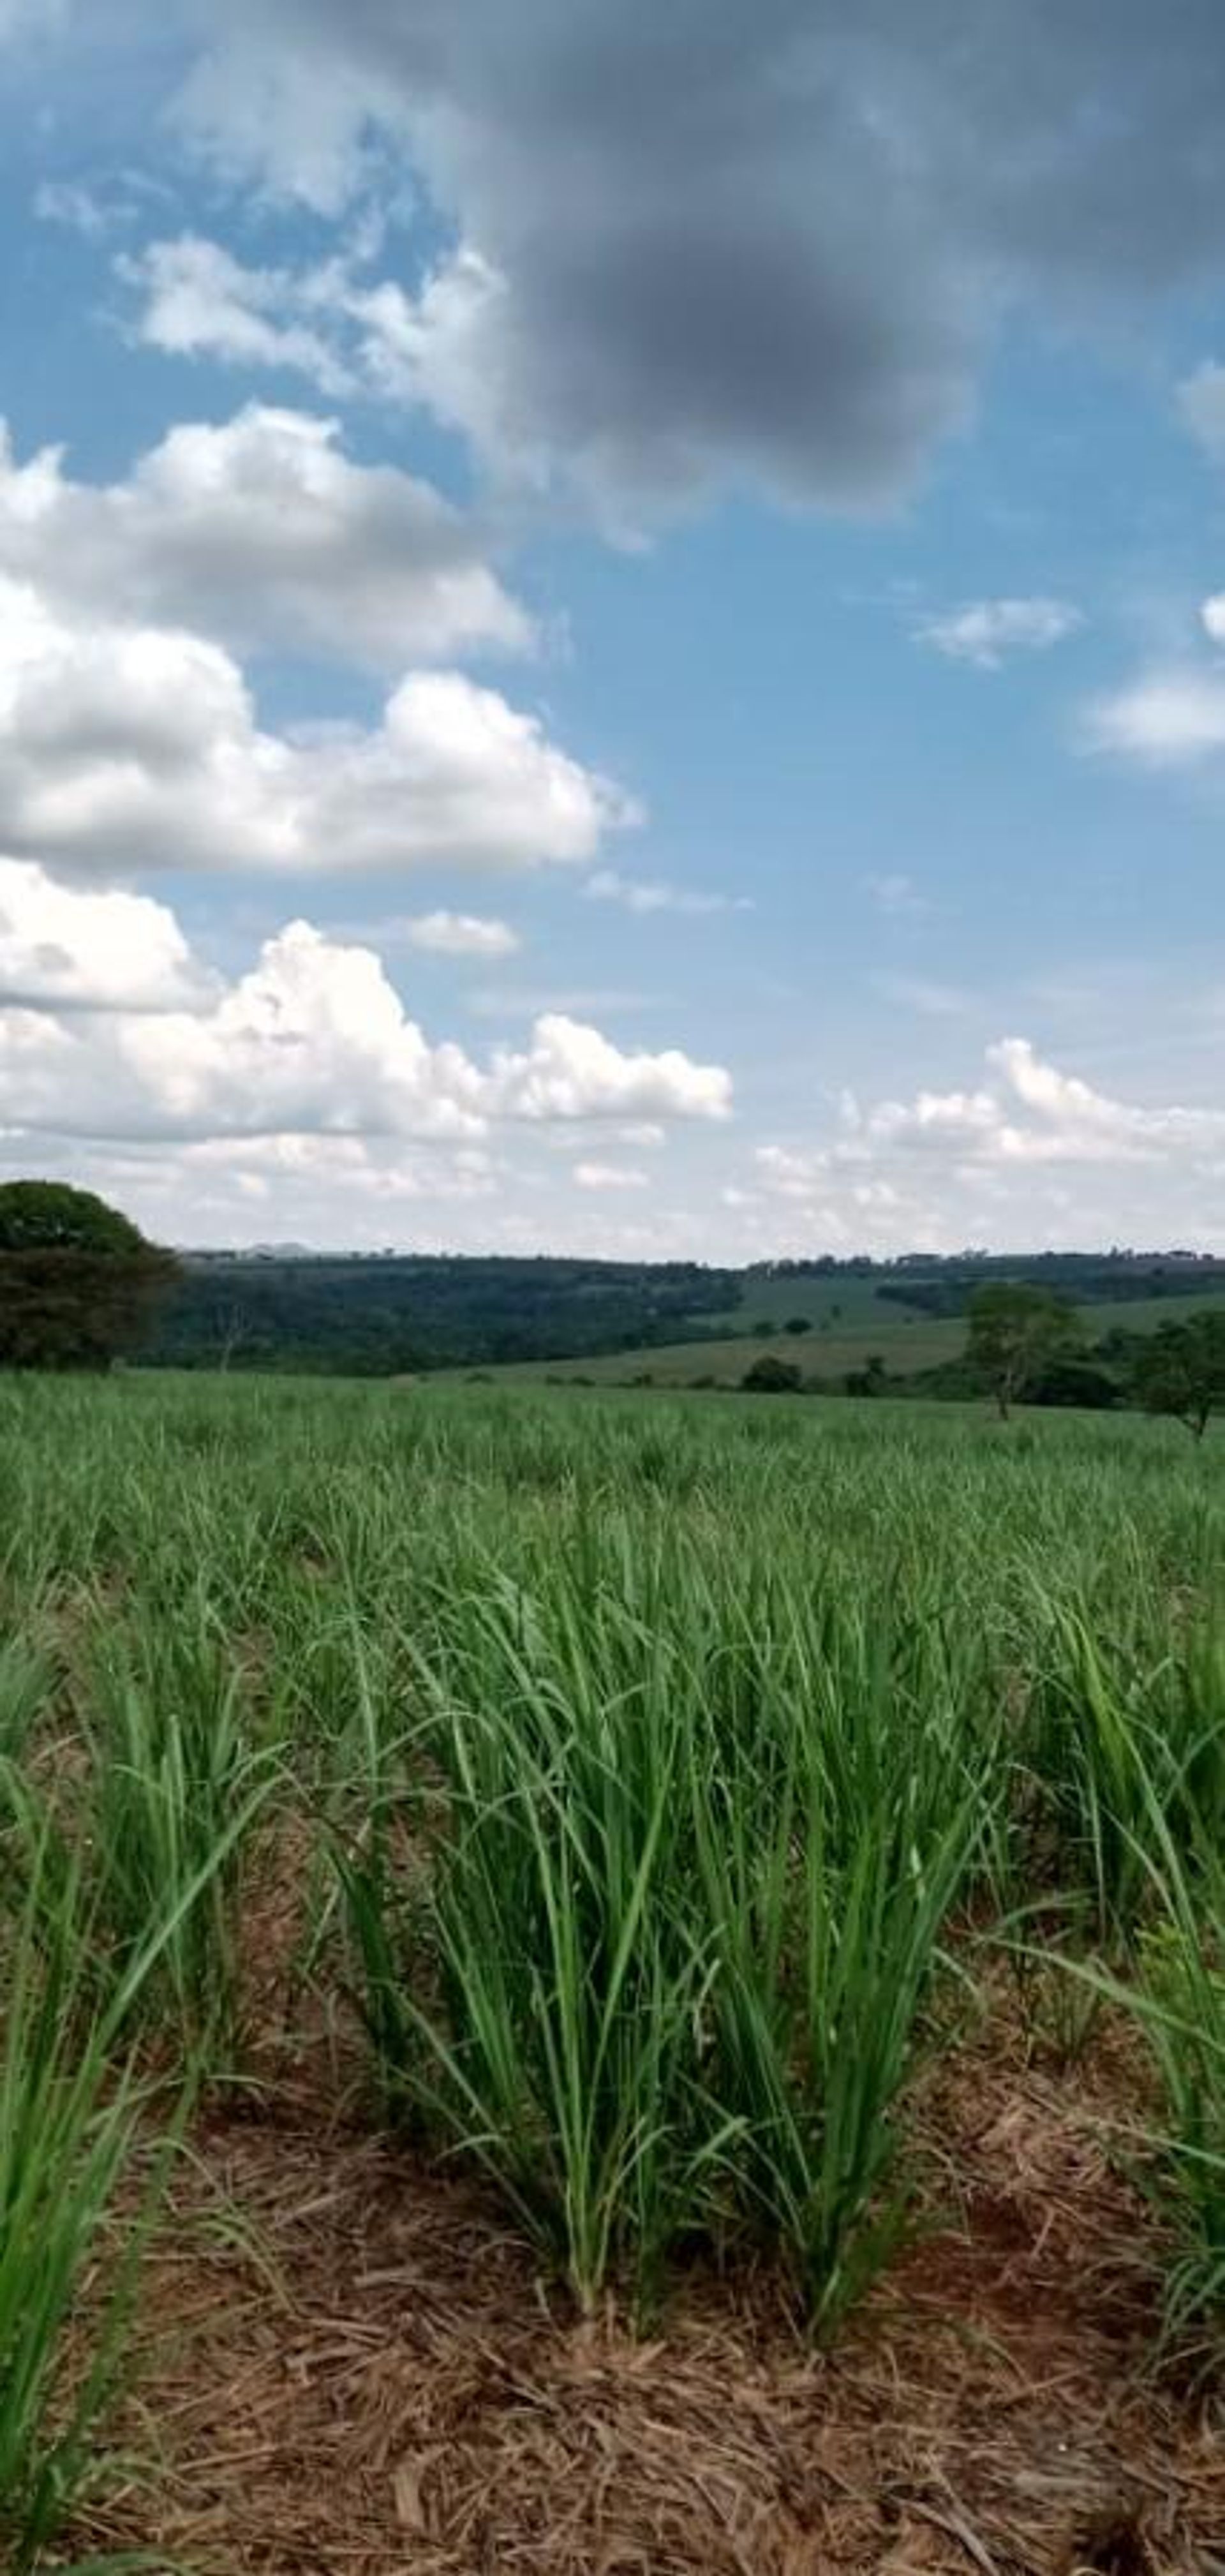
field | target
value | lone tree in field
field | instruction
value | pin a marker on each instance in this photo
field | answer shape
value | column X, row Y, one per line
column 1015, row 1332
column 770, row 1376
column 78, row 1282
column 1182, row 1370
column 871, row 1379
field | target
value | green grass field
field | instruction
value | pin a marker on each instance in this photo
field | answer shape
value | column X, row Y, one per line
column 840, row 1302
column 522, row 1917
column 906, row 1345
column 863, row 1324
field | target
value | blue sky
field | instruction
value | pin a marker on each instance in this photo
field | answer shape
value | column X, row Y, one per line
column 612, row 625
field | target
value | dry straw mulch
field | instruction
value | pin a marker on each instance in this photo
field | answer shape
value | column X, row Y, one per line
column 349, row 2371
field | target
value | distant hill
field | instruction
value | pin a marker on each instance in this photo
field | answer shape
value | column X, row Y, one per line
column 389, row 1315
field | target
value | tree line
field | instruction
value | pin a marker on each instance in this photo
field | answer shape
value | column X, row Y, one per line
column 80, row 1287
column 1025, row 1345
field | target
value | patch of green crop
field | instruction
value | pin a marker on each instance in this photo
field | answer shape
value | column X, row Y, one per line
column 647, row 1771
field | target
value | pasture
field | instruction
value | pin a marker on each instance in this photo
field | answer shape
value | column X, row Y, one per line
column 906, row 1343
column 849, row 1322
column 595, row 1982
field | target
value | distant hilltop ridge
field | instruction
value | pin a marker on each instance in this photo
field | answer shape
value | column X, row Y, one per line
column 387, row 1313
column 789, row 1266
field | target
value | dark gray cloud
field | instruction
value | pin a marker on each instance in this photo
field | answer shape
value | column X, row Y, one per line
column 761, row 239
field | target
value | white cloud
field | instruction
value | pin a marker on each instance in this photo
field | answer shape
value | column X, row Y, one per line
column 1167, row 719
column 313, row 1040
column 791, row 1175
column 277, row 116
column 609, row 1176
column 1173, row 715
column 82, row 950
column 571, row 1071
column 1033, row 1113
column 644, row 895
column 451, row 348
column 986, row 631
column 456, row 934
column 1030, row 1155
column 1212, row 617
column 261, row 533
column 313, row 1037
column 329, row 320
column 126, row 747
column 345, row 331
column 1201, row 399
column 354, row 1167
column 199, row 301
column 349, row 1191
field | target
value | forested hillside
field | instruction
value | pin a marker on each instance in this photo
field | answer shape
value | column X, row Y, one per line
column 396, row 1315
column 393, row 1316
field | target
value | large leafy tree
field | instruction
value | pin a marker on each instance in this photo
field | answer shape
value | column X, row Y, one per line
column 1015, row 1332
column 78, row 1281
column 1181, row 1369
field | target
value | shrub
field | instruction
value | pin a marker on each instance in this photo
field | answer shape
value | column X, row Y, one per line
column 770, row 1376
column 1074, row 1382
column 872, row 1379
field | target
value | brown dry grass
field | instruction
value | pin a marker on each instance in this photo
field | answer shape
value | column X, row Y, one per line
column 348, row 2369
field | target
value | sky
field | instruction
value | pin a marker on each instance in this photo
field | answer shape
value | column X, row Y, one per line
column 612, row 621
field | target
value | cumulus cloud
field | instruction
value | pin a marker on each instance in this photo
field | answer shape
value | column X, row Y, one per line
column 457, row 934
column 609, row 1176
column 806, row 1197
column 987, row 631
column 262, row 533
column 1034, row 1113
column 314, row 1039
column 647, row 895
column 349, row 1191
column 775, row 248
column 128, row 747
column 1167, row 719
column 571, row 1071
column 1029, row 1154
column 82, row 950
column 371, row 1165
